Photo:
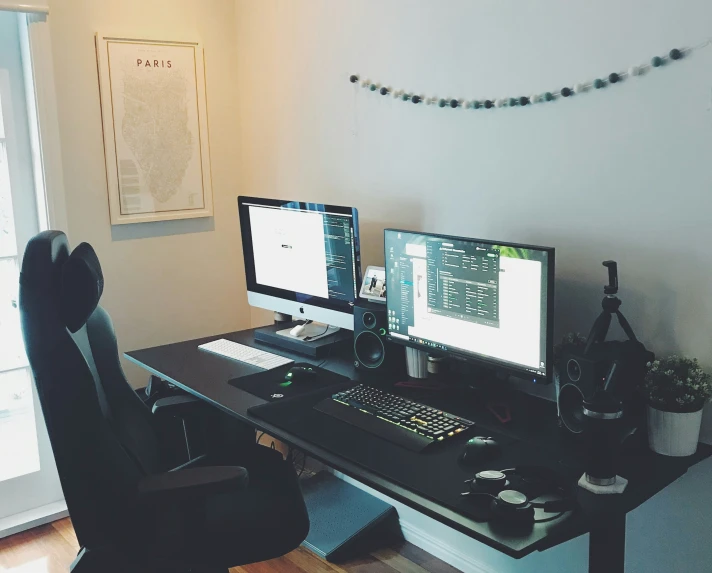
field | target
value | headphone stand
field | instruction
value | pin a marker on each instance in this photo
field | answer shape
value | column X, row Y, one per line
column 615, row 488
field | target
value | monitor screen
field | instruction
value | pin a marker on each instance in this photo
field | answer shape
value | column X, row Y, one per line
column 301, row 252
column 475, row 299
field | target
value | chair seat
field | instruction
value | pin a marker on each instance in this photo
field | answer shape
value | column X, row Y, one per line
column 264, row 521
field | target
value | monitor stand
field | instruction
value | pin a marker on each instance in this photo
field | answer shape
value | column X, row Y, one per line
column 312, row 331
column 322, row 340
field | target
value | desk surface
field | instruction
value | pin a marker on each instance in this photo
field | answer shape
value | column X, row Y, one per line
column 206, row 375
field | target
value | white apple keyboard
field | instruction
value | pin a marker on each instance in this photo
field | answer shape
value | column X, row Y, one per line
column 246, row 354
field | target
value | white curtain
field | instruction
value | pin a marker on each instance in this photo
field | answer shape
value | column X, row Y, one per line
column 40, row 6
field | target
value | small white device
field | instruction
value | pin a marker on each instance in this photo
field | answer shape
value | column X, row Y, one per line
column 246, row 354
column 374, row 284
column 298, row 330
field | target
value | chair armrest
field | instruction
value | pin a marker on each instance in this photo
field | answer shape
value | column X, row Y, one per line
column 192, row 483
column 201, row 461
column 179, row 406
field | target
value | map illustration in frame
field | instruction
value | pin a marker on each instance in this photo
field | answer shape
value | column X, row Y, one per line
column 154, row 116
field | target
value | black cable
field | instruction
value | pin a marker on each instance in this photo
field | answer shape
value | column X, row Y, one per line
column 313, row 336
column 293, row 456
column 549, row 518
column 304, row 464
column 328, row 356
column 259, row 437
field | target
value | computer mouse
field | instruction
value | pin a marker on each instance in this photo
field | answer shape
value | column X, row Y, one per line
column 480, row 449
column 301, row 374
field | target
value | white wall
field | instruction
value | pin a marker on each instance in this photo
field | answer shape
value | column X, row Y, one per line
column 622, row 174
column 165, row 281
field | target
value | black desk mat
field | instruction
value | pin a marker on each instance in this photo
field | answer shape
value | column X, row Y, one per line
column 270, row 384
column 435, row 473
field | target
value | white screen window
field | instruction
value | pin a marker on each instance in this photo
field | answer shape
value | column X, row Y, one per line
column 518, row 338
column 289, row 250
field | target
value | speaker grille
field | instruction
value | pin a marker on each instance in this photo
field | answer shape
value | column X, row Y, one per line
column 369, row 349
column 571, row 407
column 369, row 320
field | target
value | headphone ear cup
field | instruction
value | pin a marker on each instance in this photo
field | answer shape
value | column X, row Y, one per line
column 504, row 495
column 503, row 511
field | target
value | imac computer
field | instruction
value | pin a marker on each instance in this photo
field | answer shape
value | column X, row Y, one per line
column 482, row 301
column 301, row 259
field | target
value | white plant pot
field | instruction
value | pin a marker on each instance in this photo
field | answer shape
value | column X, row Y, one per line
column 673, row 433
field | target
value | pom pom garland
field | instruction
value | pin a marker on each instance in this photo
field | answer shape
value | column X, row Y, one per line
column 578, row 88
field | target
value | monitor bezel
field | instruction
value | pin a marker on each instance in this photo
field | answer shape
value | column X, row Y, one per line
column 297, row 302
column 500, row 366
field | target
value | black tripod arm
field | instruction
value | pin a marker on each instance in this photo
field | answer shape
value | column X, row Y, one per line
column 625, row 325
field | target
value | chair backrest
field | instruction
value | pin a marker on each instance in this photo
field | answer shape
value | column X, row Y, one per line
column 101, row 438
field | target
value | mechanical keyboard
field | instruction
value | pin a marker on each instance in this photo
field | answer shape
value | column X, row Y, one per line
column 396, row 419
column 246, row 354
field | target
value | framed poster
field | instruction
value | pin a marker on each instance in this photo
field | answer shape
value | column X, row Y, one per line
column 155, row 122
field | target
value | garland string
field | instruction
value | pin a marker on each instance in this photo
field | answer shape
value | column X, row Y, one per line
column 521, row 101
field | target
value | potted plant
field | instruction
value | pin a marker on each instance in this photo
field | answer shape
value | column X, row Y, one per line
column 676, row 389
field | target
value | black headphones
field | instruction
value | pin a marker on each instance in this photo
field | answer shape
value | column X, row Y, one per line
column 509, row 494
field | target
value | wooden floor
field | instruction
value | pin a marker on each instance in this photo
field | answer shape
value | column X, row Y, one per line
column 51, row 548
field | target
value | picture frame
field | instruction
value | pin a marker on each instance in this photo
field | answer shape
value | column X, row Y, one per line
column 374, row 284
column 155, row 126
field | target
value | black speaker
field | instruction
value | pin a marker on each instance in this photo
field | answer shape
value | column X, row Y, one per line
column 372, row 352
column 617, row 366
column 580, row 376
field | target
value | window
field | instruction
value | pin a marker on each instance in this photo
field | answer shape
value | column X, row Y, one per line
column 19, row 447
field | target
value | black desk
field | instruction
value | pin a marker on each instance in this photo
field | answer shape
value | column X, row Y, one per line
column 534, row 428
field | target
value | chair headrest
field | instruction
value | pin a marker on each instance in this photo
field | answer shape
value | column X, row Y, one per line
column 42, row 263
column 54, row 282
column 81, row 286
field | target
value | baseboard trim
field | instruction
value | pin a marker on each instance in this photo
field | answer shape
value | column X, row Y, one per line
column 443, row 551
column 32, row 518
column 417, row 529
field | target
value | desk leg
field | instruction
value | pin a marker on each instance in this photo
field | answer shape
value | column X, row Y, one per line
column 606, row 546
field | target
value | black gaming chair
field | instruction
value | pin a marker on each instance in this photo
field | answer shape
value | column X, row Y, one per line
column 129, row 513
